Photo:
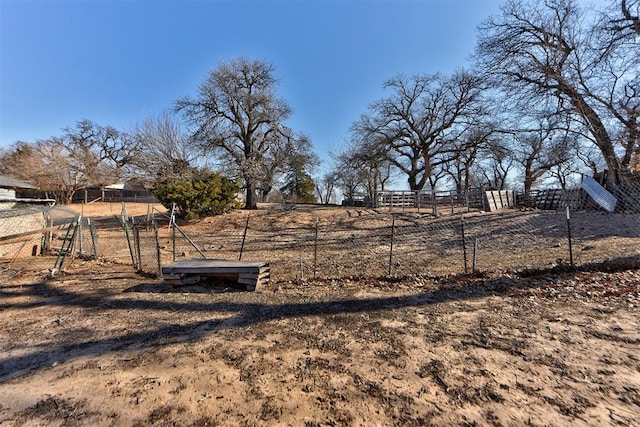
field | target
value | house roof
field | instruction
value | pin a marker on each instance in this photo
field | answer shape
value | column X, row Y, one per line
column 6, row 182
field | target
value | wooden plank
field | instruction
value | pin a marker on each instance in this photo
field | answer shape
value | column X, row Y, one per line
column 208, row 270
column 499, row 199
column 204, row 263
column 247, row 273
column 205, row 266
column 494, row 203
column 548, row 205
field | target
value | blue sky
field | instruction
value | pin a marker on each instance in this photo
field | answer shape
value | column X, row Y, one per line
column 118, row 62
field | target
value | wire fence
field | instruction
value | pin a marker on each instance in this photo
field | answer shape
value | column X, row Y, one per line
column 333, row 242
column 376, row 243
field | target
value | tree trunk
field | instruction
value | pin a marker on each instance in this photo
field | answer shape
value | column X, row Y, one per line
column 250, row 201
column 68, row 198
column 528, row 183
column 264, row 193
column 599, row 132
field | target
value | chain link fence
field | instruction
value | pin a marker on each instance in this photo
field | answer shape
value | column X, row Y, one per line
column 20, row 231
column 335, row 242
column 31, row 230
column 378, row 243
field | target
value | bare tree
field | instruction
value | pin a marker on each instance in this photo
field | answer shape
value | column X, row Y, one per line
column 97, row 153
column 348, row 173
column 85, row 155
column 24, row 161
column 494, row 166
column 372, row 161
column 163, row 149
column 48, row 165
column 237, row 113
column 470, row 145
column 546, row 48
column 416, row 123
column 325, row 187
column 621, row 23
column 537, row 152
column 292, row 151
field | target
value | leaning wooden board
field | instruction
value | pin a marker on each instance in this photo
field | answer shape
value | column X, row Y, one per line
column 251, row 274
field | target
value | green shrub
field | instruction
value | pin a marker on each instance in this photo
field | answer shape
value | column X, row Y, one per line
column 197, row 194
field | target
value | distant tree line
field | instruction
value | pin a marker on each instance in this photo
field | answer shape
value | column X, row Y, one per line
column 553, row 91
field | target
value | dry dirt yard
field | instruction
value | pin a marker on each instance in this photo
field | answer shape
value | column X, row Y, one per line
column 103, row 346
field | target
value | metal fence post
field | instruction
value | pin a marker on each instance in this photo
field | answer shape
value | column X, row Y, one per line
column 136, row 234
column 393, row 232
column 464, row 245
column 80, row 237
column 158, row 253
column 173, row 238
column 315, row 250
column 434, row 202
column 244, row 237
column 475, row 255
column 569, row 238
column 172, row 225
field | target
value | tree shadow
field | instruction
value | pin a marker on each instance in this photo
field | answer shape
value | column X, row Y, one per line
column 239, row 314
column 202, row 287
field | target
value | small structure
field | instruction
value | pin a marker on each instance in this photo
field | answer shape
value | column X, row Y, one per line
column 21, row 219
column 249, row 274
column 9, row 188
column 133, row 190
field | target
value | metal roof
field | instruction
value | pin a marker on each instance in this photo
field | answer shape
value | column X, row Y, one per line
column 6, row 182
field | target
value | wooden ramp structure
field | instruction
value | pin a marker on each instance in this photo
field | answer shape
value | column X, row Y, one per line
column 249, row 274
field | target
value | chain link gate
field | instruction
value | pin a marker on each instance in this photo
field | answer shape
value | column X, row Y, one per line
column 144, row 247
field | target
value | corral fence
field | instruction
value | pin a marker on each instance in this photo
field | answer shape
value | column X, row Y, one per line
column 336, row 242
column 471, row 199
column 477, row 199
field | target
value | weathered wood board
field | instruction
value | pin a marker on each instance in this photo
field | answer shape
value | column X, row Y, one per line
column 251, row 274
column 496, row 200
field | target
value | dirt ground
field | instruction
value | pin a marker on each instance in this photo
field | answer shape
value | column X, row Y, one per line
column 101, row 345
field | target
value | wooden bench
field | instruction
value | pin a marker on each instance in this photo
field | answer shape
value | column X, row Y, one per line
column 249, row 274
